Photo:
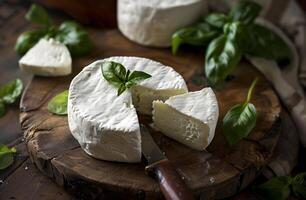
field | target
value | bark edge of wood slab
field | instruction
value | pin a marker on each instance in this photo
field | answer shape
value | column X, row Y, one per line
column 170, row 182
column 217, row 173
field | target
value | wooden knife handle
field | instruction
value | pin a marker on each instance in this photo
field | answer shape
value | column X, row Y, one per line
column 171, row 184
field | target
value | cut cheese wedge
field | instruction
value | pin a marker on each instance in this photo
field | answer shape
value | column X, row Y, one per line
column 189, row 118
column 106, row 125
column 47, row 58
column 153, row 22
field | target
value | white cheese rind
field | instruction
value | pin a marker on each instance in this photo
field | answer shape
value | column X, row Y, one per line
column 152, row 23
column 188, row 118
column 47, row 58
column 105, row 125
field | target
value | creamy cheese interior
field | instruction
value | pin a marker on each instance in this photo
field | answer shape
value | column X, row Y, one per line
column 189, row 118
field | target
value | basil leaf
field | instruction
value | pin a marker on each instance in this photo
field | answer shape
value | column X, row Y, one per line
column 116, row 74
column 245, row 11
column 276, row 188
column 58, row 104
column 217, row 20
column 121, row 89
column 28, row 39
column 198, row 35
column 239, row 122
column 2, row 109
column 6, row 156
column 113, row 72
column 240, row 119
column 263, row 42
column 222, row 56
column 137, row 76
column 299, row 185
column 38, row 15
column 11, row 91
column 74, row 37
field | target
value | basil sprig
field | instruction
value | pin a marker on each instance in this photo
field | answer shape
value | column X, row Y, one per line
column 231, row 36
column 199, row 34
column 69, row 33
column 240, row 119
column 116, row 74
column 9, row 93
column 280, row 188
column 58, row 104
column 6, row 156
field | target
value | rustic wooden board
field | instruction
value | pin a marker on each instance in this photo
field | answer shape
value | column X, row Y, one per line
column 218, row 173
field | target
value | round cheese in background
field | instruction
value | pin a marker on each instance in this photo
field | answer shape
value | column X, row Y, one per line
column 106, row 125
column 152, row 22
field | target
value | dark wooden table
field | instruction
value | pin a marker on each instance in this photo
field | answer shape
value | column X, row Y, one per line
column 22, row 180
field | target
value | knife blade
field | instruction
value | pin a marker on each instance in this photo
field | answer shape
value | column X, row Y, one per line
column 171, row 184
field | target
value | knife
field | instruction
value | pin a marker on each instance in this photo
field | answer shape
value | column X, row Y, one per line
column 171, row 184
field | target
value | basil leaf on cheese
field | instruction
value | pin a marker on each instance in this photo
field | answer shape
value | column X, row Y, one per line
column 222, row 56
column 121, row 89
column 137, row 76
column 11, row 91
column 245, row 11
column 38, row 15
column 2, row 109
column 58, row 104
column 74, row 37
column 6, row 156
column 198, row 35
column 116, row 74
column 240, row 120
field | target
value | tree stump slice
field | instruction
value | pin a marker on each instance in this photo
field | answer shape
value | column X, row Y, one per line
column 219, row 172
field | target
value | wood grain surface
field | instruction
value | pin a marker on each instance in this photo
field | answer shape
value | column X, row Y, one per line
column 220, row 172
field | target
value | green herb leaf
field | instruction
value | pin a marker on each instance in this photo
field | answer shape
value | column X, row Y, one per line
column 38, row 15
column 121, row 89
column 6, row 156
column 74, row 37
column 276, row 188
column 299, row 185
column 2, row 109
column 137, row 76
column 245, row 11
column 11, row 91
column 58, row 104
column 263, row 42
column 28, row 39
column 117, row 75
column 217, row 20
column 222, row 56
column 240, row 120
column 113, row 72
column 198, row 35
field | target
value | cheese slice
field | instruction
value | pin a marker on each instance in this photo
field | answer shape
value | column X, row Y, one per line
column 106, row 125
column 47, row 58
column 188, row 118
column 153, row 22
